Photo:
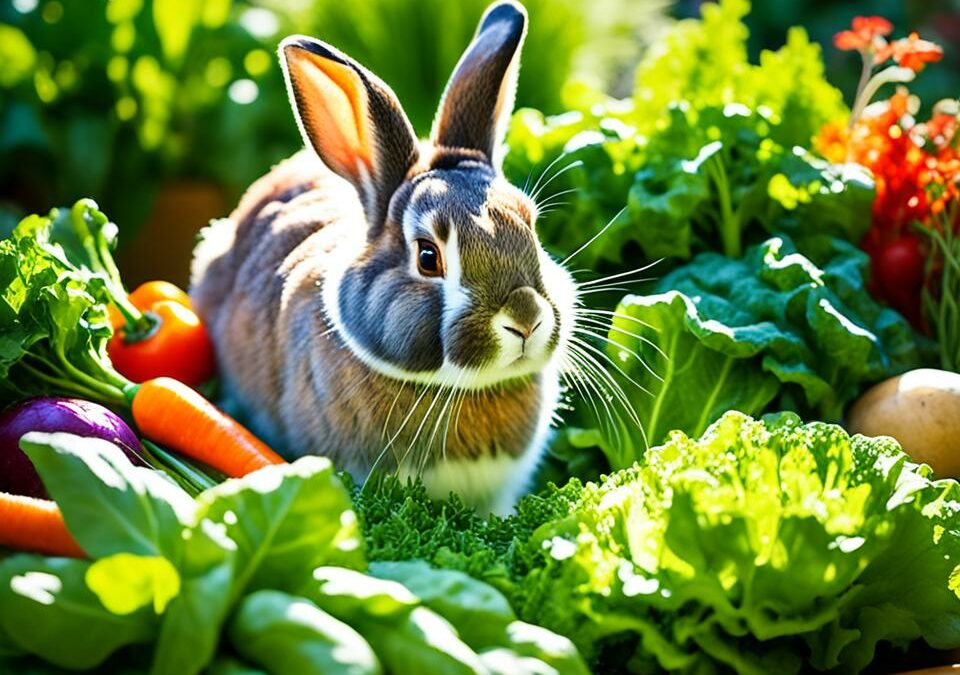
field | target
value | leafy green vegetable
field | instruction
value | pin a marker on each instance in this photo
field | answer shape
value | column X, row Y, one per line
column 703, row 154
column 406, row 636
column 125, row 582
column 285, row 521
column 190, row 629
column 741, row 547
column 110, row 505
column 484, row 620
column 760, row 547
column 175, row 574
column 480, row 613
column 698, row 194
column 54, row 314
column 704, row 62
column 774, row 328
column 288, row 635
column 45, row 606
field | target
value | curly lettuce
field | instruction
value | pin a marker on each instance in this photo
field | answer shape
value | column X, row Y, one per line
column 762, row 546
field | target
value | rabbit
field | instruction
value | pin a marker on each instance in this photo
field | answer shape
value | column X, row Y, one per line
column 385, row 301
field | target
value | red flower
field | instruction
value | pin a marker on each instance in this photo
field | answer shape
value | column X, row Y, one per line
column 941, row 129
column 911, row 52
column 867, row 30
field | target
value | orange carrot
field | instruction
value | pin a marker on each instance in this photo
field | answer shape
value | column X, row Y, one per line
column 35, row 525
column 174, row 415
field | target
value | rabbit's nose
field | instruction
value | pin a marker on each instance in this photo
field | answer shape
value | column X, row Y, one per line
column 523, row 312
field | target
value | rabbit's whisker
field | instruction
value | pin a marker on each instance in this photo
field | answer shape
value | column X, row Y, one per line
column 614, row 284
column 572, row 165
column 619, row 275
column 605, row 289
column 603, row 356
column 537, row 189
column 403, row 424
column 386, row 422
column 551, row 200
column 606, row 326
column 590, row 381
column 437, row 394
column 543, row 173
column 594, row 237
column 573, row 376
column 612, row 385
column 446, row 428
column 443, row 411
column 585, row 331
column 619, row 315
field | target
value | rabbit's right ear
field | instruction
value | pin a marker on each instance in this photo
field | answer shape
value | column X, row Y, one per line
column 350, row 118
column 478, row 100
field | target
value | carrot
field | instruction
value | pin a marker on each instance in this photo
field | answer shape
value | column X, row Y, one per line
column 174, row 415
column 35, row 525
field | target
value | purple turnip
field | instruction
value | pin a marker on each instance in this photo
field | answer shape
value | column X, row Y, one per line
column 70, row 415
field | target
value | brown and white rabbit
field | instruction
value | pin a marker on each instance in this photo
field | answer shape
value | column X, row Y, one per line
column 385, row 301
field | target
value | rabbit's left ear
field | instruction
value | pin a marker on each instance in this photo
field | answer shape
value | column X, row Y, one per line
column 351, row 118
column 478, row 100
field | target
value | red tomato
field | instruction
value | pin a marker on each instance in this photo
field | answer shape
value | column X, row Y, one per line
column 178, row 346
column 899, row 271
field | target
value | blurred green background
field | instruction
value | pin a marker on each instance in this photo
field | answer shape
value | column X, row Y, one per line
column 165, row 110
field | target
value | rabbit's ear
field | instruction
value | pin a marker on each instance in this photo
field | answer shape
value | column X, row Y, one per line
column 351, row 118
column 478, row 100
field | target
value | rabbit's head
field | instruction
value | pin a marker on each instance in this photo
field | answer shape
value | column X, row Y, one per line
column 445, row 282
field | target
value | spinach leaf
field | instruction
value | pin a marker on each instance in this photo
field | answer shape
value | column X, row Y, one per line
column 479, row 612
column 407, row 637
column 110, row 505
column 125, row 582
column 45, row 608
column 190, row 630
column 288, row 635
column 286, row 520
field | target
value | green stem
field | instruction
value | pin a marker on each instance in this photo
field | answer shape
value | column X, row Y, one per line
column 107, row 391
column 157, row 464
column 196, row 477
column 101, row 260
column 60, row 385
column 729, row 221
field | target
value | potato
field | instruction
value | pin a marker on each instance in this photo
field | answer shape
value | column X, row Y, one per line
column 921, row 409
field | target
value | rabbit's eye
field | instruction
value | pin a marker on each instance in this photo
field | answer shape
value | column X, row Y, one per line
column 428, row 259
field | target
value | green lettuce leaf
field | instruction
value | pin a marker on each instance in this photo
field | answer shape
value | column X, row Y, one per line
column 54, row 313
column 704, row 63
column 707, row 154
column 774, row 328
column 757, row 547
column 763, row 546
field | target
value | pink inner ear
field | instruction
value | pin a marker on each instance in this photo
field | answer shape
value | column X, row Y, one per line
column 332, row 103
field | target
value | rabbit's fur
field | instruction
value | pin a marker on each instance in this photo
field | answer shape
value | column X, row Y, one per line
column 335, row 336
